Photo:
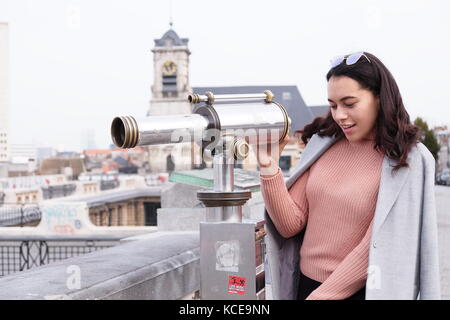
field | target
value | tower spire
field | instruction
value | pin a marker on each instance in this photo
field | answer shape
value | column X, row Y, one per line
column 171, row 14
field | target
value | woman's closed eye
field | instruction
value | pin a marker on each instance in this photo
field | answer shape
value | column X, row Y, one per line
column 345, row 104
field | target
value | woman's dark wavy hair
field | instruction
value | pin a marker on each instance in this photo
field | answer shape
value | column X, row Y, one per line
column 395, row 134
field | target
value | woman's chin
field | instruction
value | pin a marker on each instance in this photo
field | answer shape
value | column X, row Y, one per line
column 352, row 138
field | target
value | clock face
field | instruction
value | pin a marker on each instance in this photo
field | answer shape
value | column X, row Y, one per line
column 169, row 68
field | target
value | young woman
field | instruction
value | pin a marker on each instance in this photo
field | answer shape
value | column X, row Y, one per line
column 356, row 219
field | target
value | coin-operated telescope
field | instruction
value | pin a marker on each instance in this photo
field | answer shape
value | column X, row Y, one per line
column 231, row 249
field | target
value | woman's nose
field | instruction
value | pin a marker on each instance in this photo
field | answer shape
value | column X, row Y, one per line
column 341, row 114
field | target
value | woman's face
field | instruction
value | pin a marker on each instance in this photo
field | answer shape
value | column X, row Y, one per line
column 352, row 105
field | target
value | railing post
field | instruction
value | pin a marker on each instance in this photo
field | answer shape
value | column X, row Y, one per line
column 24, row 255
column 43, row 253
column 21, row 215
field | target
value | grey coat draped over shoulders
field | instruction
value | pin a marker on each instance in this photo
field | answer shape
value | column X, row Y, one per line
column 403, row 254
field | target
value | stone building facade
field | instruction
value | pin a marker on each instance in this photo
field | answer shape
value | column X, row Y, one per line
column 130, row 212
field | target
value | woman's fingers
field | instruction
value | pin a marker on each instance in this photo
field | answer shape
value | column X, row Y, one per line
column 284, row 143
column 267, row 152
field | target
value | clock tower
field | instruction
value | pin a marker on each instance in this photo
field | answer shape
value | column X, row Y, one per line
column 170, row 91
column 170, row 87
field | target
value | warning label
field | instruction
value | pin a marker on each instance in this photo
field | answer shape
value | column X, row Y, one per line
column 236, row 285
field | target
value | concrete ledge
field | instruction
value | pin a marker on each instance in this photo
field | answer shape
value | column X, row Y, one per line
column 180, row 219
column 95, row 237
column 159, row 266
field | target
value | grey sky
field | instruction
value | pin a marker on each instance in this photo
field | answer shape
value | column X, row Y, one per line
column 75, row 64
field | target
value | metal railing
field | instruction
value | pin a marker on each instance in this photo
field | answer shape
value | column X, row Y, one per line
column 19, row 255
column 17, row 214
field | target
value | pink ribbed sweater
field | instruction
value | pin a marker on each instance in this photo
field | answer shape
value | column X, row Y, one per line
column 335, row 200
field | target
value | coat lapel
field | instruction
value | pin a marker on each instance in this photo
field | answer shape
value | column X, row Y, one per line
column 389, row 190
column 313, row 150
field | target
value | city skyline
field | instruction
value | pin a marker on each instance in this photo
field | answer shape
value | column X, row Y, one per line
column 74, row 65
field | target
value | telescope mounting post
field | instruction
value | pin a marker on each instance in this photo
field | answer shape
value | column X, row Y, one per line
column 232, row 251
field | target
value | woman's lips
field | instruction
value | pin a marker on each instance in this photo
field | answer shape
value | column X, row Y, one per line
column 349, row 130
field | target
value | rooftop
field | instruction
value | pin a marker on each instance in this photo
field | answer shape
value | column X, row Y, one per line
column 243, row 179
column 171, row 38
column 114, row 196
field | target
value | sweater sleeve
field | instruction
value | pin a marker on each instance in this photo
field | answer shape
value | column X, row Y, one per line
column 350, row 275
column 288, row 209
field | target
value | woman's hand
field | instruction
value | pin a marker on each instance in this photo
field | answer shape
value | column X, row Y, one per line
column 269, row 155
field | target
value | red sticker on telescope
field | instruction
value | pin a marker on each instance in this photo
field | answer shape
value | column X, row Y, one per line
column 236, row 285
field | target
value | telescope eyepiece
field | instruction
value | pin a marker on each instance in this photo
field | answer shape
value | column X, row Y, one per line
column 240, row 149
column 192, row 98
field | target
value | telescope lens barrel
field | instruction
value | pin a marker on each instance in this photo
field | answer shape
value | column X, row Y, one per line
column 259, row 122
column 127, row 132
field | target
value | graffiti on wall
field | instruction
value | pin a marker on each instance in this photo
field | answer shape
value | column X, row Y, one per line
column 63, row 219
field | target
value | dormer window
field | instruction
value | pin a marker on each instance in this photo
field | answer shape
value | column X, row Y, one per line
column 168, row 42
column 287, row 95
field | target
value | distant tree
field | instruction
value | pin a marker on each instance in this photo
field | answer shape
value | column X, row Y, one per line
column 427, row 137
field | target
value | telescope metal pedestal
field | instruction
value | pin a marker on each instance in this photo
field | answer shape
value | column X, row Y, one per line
column 231, row 250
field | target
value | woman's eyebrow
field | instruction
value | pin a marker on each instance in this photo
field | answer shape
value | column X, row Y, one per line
column 344, row 98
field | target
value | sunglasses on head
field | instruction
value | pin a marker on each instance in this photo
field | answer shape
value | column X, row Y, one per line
column 349, row 59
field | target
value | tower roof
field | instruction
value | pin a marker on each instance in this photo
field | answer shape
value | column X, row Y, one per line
column 171, row 38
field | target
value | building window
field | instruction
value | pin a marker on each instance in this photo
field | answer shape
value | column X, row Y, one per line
column 287, row 96
column 168, row 42
column 170, row 164
column 170, row 94
column 285, row 163
column 150, row 209
column 170, row 85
